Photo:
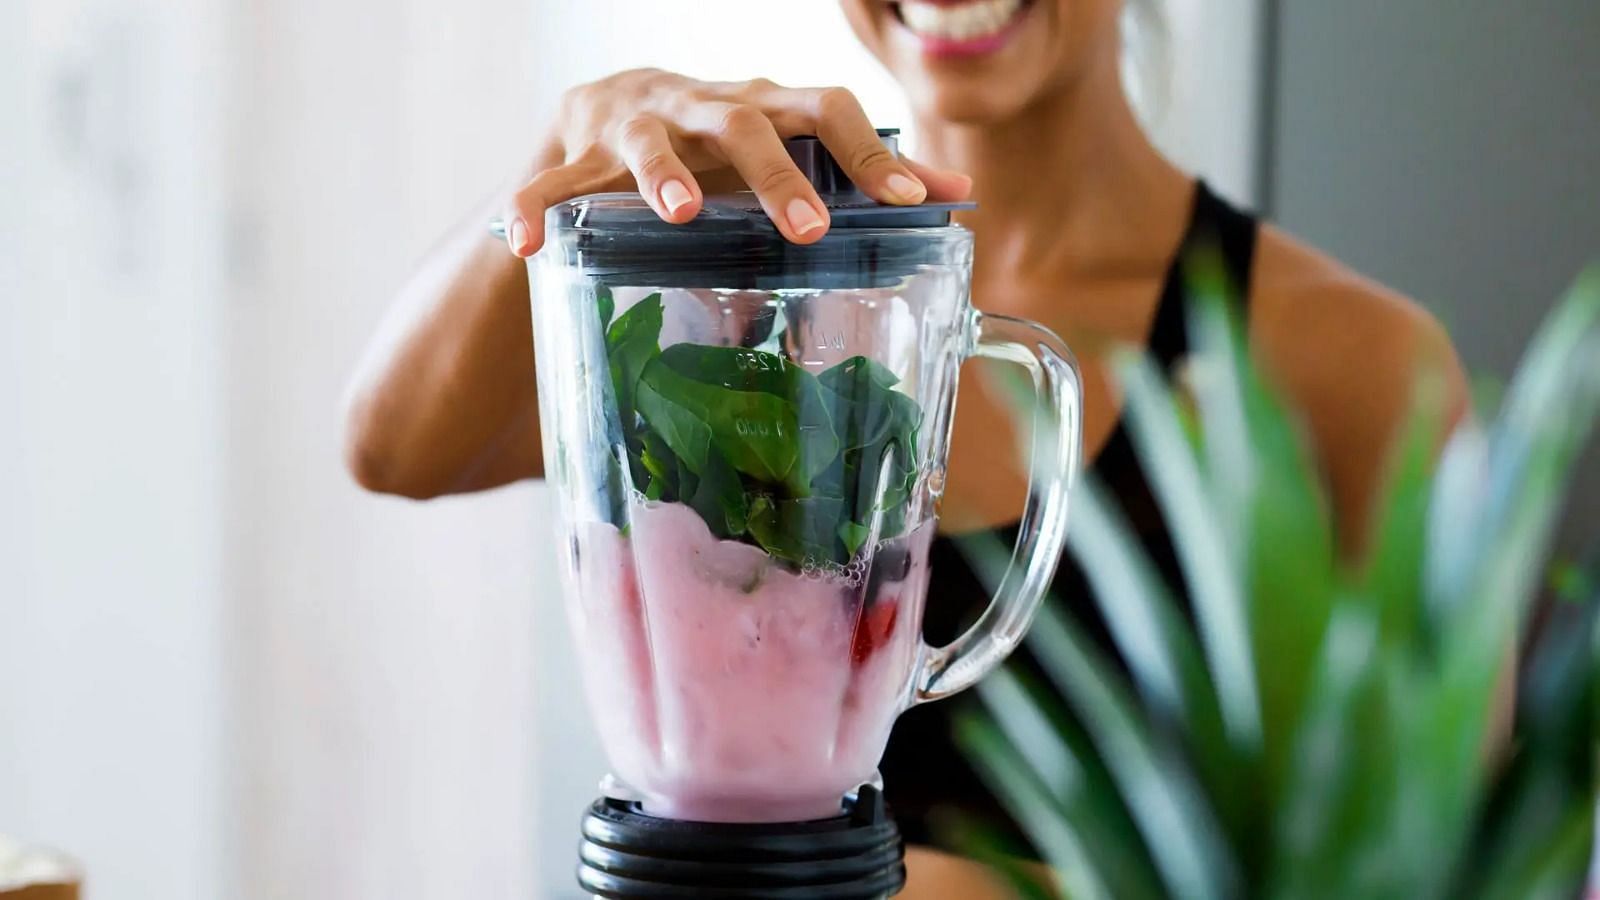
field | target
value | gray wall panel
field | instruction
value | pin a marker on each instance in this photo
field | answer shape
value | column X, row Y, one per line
column 1451, row 149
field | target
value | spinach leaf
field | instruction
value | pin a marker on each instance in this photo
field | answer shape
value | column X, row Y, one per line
column 688, row 480
column 819, row 437
column 678, row 418
column 858, row 370
column 894, row 520
column 661, row 468
column 881, row 477
column 632, row 341
column 868, row 411
column 875, row 422
column 758, row 432
column 719, row 498
column 745, row 370
column 760, row 448
column 605, row 305
column 831, row 482
column 735, row 368
column 799, row 530
column 853, row 534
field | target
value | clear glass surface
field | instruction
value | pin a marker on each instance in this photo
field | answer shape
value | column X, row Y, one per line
column 748, row 478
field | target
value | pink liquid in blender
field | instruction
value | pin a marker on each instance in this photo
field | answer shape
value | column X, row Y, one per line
column 728, row 688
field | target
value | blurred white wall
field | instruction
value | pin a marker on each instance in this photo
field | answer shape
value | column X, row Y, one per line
column 112, row 689
column 1210, row 122
column 383, row 649
column 111, row 421
column 225, row 671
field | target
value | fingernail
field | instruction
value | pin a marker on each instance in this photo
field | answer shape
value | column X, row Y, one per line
column 675, row 195
column 802, row 216
column 519, row 237
column 905, row 188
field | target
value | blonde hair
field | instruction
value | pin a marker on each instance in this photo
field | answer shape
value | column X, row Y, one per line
column 1146, row 58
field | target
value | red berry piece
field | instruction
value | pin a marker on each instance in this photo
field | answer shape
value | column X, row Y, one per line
column 873, row 631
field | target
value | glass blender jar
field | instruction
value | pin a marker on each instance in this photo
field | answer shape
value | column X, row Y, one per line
column 747, row 440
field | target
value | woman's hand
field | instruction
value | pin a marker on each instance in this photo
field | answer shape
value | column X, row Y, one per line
column 445, row 400
column 672, row 136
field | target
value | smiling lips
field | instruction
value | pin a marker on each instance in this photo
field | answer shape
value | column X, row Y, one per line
column 960, row 29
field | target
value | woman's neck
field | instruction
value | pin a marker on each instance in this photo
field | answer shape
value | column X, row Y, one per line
column 1070, row 187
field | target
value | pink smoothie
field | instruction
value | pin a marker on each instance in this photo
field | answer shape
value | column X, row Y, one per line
column 727, row 688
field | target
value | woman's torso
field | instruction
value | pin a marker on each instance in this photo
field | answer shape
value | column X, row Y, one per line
column 927, row 780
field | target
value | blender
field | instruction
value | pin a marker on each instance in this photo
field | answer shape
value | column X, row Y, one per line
column 747, row 440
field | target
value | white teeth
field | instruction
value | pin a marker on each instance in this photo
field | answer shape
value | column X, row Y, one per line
column 959, row 21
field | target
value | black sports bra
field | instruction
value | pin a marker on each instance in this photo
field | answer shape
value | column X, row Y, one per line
column 926, row 778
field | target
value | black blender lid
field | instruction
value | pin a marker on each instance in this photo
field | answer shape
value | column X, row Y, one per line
column 741, row 212
column 618, row 240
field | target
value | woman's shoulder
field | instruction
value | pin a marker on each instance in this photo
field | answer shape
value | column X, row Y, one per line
column 1350, row 353
column 1294, row 284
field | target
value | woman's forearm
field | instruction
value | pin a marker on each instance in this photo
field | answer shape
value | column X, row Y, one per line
column 444, row 400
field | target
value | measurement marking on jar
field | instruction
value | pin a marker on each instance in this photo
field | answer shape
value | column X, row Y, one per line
column 758, row 362
column 830, row 340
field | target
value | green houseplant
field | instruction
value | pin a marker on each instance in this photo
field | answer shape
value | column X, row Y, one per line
column 1314, row 728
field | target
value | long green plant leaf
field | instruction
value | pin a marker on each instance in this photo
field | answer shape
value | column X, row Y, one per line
column 1393, row 578
column 1182, row 832
column 1550, row 409
column 1179, row 828
column 1456, row 523
column 1323, row 768
column 1261, row 470
column 1547, row 794
column 1218, row 599
column 1154, row 639
column 1063, row 763
column 1007, row 774
column 1372, row 690
column 1219, row 386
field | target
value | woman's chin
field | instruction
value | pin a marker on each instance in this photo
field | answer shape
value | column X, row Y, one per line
column 974, row 103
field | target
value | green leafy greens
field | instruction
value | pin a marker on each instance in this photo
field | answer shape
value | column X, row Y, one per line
column 800, row 465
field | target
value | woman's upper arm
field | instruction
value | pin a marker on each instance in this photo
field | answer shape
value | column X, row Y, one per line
column 444, row 400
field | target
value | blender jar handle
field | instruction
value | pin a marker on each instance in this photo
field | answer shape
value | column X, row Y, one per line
column 1057, row 440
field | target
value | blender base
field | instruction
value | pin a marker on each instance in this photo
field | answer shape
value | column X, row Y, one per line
column 857, row 855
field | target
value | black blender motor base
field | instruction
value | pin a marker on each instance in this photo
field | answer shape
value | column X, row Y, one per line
column 857, row 855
